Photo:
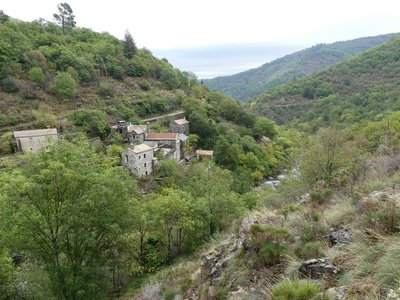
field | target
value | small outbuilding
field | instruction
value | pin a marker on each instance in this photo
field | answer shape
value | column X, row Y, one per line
column 34, row 140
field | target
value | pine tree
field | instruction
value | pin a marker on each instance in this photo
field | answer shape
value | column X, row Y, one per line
column 65, row 17
column 129, row 45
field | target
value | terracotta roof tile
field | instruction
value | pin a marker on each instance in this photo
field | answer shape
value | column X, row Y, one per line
column 162, row 136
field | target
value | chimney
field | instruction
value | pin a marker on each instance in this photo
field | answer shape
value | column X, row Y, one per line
column 148, row 126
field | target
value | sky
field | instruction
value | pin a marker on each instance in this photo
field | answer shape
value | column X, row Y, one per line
column 221, row 37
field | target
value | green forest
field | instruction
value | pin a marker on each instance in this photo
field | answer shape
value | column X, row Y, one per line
column 76, row 224
column 248, row 84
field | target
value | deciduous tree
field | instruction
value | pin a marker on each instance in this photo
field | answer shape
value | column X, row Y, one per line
column 68, row 207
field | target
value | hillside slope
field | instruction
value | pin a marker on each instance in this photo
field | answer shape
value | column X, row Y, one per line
column 253, row 82
column 359, row 88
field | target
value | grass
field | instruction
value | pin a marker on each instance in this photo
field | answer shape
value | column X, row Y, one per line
column 297, row 290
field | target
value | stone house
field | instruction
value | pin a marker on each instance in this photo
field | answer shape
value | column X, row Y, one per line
column 135, row 134
column 168, row 143
column 179, row 126
column 34, row 140
column 138, row 159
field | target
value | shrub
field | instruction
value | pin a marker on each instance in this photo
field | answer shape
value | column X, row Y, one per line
column 105, row 89
column 385, row 218
column 311, row 250
column 321, row 195
column 270, row 252
column 93, row 122
column 7, row 144
column 10, row 85
column 298, row 290
column 36, row 75
column 268, row 243
column 64, row 85
column 169, row 294
column 144, row 85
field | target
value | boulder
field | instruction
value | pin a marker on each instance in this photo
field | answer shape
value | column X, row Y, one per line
column 340, row 237
column 337, row 293
column 318, row 268
column 303, row 199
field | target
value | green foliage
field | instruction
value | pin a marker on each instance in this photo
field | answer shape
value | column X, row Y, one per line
column 36, row 74
column 105, row 89
column 297, row 290
column 169, row 294
column 6, row 270
column 129, row 45
column 68, row 208
column 325, row 155
column 10, row 85
column 359, row 88
column 311, row 250
column 65, row 17
column 64, row 86
column 92, row 121
column 3, row 17
column 7, row 143
column 254, row 82
column 320, row 196
column 270, row 253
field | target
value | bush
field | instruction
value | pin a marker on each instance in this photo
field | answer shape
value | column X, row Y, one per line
column 93, row 122
column 311, row 250
column 169, row 294
column 321, row 195
column 64, row 85
column 268, row 242
column 10, row 85
column 270, row 253
column 384, row 218
column 7, row 143
column 144, row 85
column 105, row 89
column 298, row 290
column 36, row 75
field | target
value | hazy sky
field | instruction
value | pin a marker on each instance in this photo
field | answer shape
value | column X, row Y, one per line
column 192, row 35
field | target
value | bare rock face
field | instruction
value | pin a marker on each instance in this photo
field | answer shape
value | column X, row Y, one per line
column 319, row 268
column 337, row 293
column 304, row 199
column 340, row 237
column 212, row 262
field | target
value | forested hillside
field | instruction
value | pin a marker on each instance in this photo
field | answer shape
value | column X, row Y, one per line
column 253, row 82
column 363, row 87
column 74, row 224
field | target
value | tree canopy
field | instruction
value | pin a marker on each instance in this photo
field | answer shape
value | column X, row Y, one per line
column 65, row 17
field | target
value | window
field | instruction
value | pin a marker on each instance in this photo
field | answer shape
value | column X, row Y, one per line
column 126, row 158
column 139, row 157
column 144, row 155
column 145, row 165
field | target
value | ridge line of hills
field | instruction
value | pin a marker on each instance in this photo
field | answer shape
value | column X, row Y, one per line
column 251, row 83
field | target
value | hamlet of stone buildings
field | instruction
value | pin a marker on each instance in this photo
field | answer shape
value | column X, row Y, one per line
column 146, row 147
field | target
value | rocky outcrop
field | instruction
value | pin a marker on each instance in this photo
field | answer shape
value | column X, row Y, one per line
column 337, row 293
column 340, row 237
column 319, row 268
column 212, row 262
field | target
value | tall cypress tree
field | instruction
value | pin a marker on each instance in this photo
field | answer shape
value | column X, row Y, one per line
column 129, row 45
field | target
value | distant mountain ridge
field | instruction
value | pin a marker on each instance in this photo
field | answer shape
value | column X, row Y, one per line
column 363, row 87
column 251, row 83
